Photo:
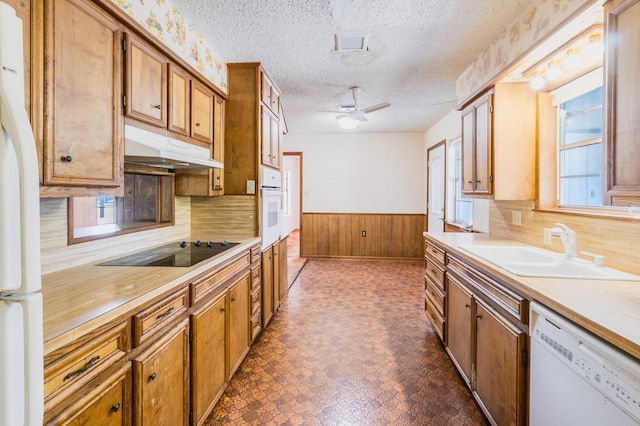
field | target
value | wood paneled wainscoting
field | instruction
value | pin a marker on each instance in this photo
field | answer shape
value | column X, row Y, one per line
column 392, row 236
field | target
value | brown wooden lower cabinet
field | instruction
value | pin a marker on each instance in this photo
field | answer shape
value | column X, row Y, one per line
column 239, row 322
column 488, row 344
column 208, row 356
column 268, row 306
column 108, row 404
column 500, row 367
column 166, row 362
column 161, row 378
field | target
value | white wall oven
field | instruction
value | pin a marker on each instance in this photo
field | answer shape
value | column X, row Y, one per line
column 271, row 205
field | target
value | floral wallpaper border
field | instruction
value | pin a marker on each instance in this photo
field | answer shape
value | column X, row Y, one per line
column 166, row 23
column 514, row 41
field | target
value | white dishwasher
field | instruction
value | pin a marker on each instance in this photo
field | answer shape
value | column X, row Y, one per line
column 577, row 378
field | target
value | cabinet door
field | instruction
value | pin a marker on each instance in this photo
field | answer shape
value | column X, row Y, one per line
column 275, row 141
column 283, row 277
column 108, row 404
column 265, row 136
column 82, row 96
column 179, row 101
column 468, row 151
column 146, row 80
column 218, row 144
column 208, row 361
column 459, row 311
column 267, row 286
column 622, row 91
column 500, row 367
column 161, row 377
column 239, row 322
column 483, row 146
column 201, row 113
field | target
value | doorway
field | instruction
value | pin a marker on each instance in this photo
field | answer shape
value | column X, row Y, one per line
column 292, row 211
column 436, row 184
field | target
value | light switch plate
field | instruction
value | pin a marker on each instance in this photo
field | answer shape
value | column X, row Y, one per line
column 251, row 187
column 516, row 217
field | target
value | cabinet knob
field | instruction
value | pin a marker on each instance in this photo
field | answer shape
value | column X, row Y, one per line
column 470, row 181
column 221, row 309
column 158, row 106
column 466, row 305
column 152, row 377
column 197, row 124
column 115, row 408
column 479, row 316
column 233, row 299
column 66, row 158
column 478, row 181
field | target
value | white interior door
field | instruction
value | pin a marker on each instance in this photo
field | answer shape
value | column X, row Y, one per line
column 436, row 188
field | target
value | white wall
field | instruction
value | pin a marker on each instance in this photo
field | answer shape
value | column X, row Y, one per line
column 291, row 222
column 450, row 128
column 361, row 173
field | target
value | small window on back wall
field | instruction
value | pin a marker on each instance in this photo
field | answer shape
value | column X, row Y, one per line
column 459, row 208
column 580, row 145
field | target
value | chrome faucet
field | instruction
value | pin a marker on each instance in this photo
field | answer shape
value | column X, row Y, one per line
column 568, row 238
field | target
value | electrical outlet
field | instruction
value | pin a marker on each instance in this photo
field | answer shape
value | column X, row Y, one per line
column 251, row 187
column 547, row 236
column 364, row 233
column 516, row 217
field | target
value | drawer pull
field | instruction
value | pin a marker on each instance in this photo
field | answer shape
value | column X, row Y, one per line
column 221, row 309
column 466, row 305
column 433, row 271
column 115, row 408
column 432, row 316
column 479, row 316
column 66, row 158
column 87, row 366
column 165, row 314
column 152, row 377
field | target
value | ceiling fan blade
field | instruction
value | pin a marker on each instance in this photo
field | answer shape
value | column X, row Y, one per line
column 377, row 107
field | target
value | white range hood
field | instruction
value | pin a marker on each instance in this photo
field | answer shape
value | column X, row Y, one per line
column 152, row 149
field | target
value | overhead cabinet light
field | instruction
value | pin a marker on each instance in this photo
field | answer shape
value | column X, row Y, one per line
column 352, row 43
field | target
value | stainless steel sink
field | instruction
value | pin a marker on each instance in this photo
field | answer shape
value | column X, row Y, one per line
column 536, row 262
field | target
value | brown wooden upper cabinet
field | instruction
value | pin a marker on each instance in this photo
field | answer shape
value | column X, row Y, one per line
column 270, row 137
column 179, row 101
column 621, row 94
column 146, row 83
column 270, row 95
column 82, row 131
column 201, row 112
column 477, row 126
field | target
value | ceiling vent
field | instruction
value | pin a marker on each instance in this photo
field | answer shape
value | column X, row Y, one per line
column 352, row 43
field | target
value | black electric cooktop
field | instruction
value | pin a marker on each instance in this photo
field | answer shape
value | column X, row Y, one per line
column 175, row 254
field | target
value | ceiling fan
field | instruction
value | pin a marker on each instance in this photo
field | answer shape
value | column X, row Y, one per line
column 352, row 113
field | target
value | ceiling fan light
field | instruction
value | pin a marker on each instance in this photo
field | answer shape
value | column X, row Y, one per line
column 347, row 122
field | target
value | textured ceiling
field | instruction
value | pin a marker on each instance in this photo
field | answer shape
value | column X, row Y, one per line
column 417, row 50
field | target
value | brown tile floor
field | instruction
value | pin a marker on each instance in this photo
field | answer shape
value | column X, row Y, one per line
column 350, row 346
column 294, row 261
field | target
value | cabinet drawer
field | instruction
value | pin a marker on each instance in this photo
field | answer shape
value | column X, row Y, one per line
column 149, row 321
column 491, row 290
column 256, row 325
column 255, row 278
column 255, row 301
column 207, row 285
column 85, row 362
column 435, row 297
column 436, row 320
column 435, row 253
column 433, row 272
column 256, row 254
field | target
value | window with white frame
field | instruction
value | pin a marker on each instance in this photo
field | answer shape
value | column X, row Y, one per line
column 580, row 145
column 460, row 209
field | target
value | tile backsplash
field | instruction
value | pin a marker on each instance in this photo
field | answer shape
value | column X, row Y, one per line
column 57, row 255
column 617, row 239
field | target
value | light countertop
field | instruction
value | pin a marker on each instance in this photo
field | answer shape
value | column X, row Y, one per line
column 609, row 309
column 82, row 298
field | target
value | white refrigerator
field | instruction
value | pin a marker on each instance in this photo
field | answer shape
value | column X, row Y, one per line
column 21, row 334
